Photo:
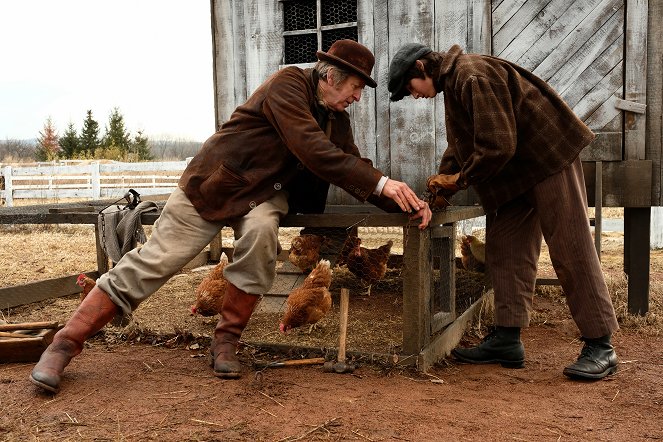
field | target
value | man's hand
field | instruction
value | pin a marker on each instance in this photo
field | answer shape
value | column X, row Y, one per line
column 442, row 181
column 424, row 213
column 442, row 187
column 440, row 201
column 402, row 195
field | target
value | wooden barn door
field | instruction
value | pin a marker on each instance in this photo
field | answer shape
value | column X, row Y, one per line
column 578, row 48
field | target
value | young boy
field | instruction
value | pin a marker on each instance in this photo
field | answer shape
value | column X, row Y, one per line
column 516, row 142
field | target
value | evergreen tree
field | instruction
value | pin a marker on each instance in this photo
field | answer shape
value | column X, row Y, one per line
column 89, row 139
column 116, row 137
column 69, row 142
column 141, row 148
column 48, row 146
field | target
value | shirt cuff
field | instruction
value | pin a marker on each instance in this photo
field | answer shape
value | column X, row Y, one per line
column 380, row 186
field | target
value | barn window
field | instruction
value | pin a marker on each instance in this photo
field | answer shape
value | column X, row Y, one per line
column 311, row 25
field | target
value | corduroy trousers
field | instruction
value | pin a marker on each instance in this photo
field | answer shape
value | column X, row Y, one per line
column 554, row 210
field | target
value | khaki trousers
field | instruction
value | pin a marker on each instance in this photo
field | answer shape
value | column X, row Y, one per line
column 555, row 209
column 180, row 234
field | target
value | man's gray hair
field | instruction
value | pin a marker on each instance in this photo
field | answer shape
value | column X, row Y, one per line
column 339, row 75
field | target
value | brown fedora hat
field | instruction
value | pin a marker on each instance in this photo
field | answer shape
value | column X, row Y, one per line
column 352, row 56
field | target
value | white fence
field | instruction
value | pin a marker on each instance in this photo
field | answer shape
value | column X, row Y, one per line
column 94, row 180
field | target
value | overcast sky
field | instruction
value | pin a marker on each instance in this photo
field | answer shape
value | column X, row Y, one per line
column 150, row 58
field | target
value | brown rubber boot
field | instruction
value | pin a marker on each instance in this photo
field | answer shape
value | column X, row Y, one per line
column 95, row 311
column 235, row 314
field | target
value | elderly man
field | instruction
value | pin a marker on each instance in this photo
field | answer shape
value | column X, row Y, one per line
column 516, row 142
column 277, row 154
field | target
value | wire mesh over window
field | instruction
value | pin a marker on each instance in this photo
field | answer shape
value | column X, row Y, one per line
column 329, row 37
column 338, row 11
column 311, row 25
column 300, row 48
column 299, row 15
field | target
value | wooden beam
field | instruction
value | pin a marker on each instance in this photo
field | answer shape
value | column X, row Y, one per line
column 636, row 257
column 635, row 78
column 40, row 290
column 446, row 341
column 625, row 183
column 417, row 282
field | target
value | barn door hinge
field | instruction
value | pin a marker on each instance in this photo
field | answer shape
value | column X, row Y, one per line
column 630, row 106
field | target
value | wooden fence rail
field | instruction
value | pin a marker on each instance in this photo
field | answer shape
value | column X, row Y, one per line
column 94, row 180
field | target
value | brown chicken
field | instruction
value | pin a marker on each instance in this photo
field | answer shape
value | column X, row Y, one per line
column 473, row 253
column 86, row 283
column 210, row 291
column 369, row 265
column 308, row 303
column 305, row 251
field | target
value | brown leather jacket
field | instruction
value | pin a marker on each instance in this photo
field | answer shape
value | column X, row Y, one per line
column 275, row 142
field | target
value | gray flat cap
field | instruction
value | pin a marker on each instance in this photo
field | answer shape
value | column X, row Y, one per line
column 402, row 61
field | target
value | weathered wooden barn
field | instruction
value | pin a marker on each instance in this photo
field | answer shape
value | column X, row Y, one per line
column 602, row 56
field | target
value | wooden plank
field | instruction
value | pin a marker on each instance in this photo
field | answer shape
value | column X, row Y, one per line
column 418, row 268
column 40, row 290
column 451, row 26
column 599, row 100
column 575, row 40
column 625, row 183
column 442, row 344
column 573, row 91
column 558, row 31
column 480, row 37
column 412, row 123
column 225, row 61
column 635, row 78
column 637, row 257
column 502, row 13
column 381, row 75
column 532, row 32
column 600, row 53
column 25, row 349
column 264, row 44
column 512, row 30
column 630, row 106
column 239, row 52
column 655, row 98
column 607, row 146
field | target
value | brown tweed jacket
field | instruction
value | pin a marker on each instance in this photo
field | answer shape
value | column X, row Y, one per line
column 507, row 129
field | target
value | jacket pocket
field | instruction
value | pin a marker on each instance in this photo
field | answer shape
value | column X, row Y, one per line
column 223, row 177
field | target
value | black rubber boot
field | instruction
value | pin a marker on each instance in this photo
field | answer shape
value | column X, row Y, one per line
column 502, row 346
column 596, row 361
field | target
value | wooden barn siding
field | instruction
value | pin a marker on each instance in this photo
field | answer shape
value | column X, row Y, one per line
column 577, row 46
column 655, row 103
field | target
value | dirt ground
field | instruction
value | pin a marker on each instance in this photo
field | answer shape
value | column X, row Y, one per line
column 152, row 381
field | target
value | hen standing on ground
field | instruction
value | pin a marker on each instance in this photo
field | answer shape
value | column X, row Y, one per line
column 369, row 265
column 310, row 302
column 305, row 251
column 86, row 283
column 210, row 292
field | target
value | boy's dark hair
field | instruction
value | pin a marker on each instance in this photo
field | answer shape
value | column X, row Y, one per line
column 416, row 72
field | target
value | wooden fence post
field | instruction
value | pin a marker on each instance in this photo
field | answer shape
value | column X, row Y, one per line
column 96, row 180
column 7, row 173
